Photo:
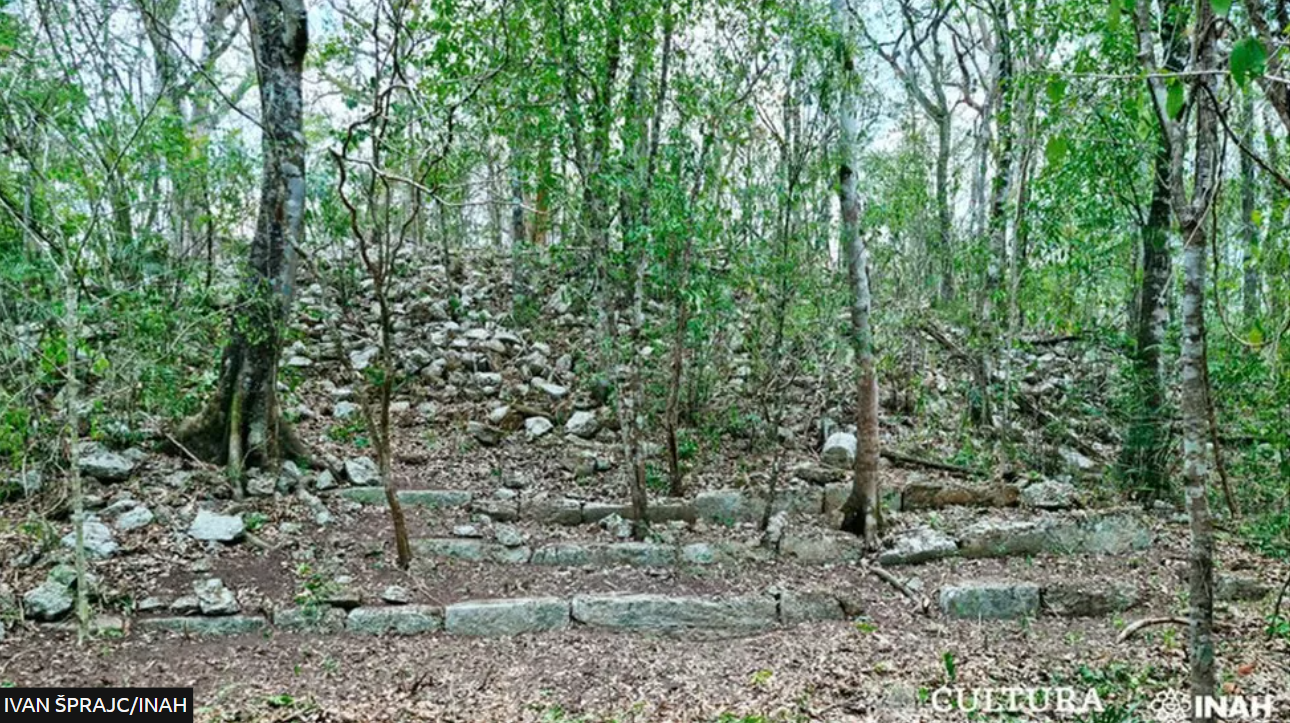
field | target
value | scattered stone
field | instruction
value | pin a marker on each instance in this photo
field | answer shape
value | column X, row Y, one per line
column 555, row 391
column 260, row 484
column 835, row 496
column 919, row 545
column 775, row 530
column 185, row 605
column 565, row 554
column 433, row 499
column 597, row 511
column 24, row 485
column 134, row 519
column 97, row 538
column 106, row 466
column 1077, row 461
column 817, row 475
column 1004, row 538
column 990, row 600
column 214, row 626
column 724, row 506
column 508, row 536
column 617, row 526
column 926, row 496
column 300, row 362
column 344, row 410
column 395, row 620
column 396, row 595
column 839, row 450
column 466, row 531
column 582, row 424
column 808, row 607
column 151, row 604
column 501, row 510
column 215, row 599
column 506, row 418
column 1086, row 601
column 506, row 617
column 821, row 547
column 662, row 613
column 1234, row 588
column 50, row 600
column 537, row 427
column 362, row 472
column 209, row 526
column 1049, row 495
column 471, row 550
column 484, row 434
column 325, row 481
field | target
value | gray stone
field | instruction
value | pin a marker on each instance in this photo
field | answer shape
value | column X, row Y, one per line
column 433, row 499
column 554, row 511
column 1235, row 588
column 151, row 604
column 468, row 531
column 807, row 607
column 260, row 484
column 597, row 511
column 325, row 481
column 1049, row 495
column 555, row 391
column 663, row 613
column 396, row 595
column 616, row 526
column 508, row 536
column 821, row 548
column 566, row 554
column 134, row 519
column 582, row 424
column 919, row 545
column 472, row 550
column 1112, row 533
column 97, row 538
column 485, row 434
column 396, row 620
column 48, row 601
column 990, row 600
column 839, row 450
column 310, row 619
column 669, row 510
column 362, row 472
column 536, row 427
column 344, row 410
column 106, row 466
column 185, row 605
column 215, row 599
column 727, row 507
column 506, row 617
column 835, row 496
column 1003, row 538
column 934, row 496
column 636, row 554
column 1073, row 600
column 210, row 526
column 502, row 510
column 817, row 475
column 226, row 625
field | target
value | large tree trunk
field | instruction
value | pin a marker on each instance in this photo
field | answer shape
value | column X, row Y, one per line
column 944, row 253
column 861, row 513
column 242, row 425
column 1145, row 454
column 1249, row 229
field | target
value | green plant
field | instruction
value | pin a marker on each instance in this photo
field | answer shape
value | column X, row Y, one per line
column 255, row 521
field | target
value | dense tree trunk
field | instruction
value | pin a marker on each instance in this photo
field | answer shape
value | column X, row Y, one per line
column 1145, row 455
column 242, row 424
column 1250, row 285
column 861, row 513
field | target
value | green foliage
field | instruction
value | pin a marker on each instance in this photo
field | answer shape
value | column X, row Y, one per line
column 1249, row 59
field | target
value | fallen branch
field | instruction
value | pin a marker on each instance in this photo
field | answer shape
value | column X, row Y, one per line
column 924, row 605
column 1276, row 611
column 1129, row 631
column 904, row 459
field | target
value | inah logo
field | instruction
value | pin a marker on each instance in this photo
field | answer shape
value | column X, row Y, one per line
column 1173, row 706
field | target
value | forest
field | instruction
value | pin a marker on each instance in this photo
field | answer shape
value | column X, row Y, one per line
column 677, row 360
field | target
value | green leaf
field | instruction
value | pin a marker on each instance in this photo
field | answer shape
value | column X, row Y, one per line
column 1113, row 15
column 1248, row 60
column 1176, row 98
column 1055, row 150
column 1056, row 89
column 1221, row 7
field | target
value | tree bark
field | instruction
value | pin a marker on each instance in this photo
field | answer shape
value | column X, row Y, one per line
column 241, row 424
column 1249, row 229
column 861, row 515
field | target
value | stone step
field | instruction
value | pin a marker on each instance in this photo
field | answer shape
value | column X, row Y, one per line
column 1100, row 533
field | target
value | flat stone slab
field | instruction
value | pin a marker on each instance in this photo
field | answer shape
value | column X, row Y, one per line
column 470, row 550
column 990, row 600
column 1100, row 533
column 506, row 617
column 312, row 619
column 809, row 607
column 821, row 547
column 553, row 511
column 919, row 545
column 432, row 499
column 1071, row 600
column 395, row 620
column 223, row 625
column 934, row 496
column 606, row 554
column 663, row 613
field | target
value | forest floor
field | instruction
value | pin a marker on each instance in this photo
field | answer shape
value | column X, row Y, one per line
column 871, row 665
